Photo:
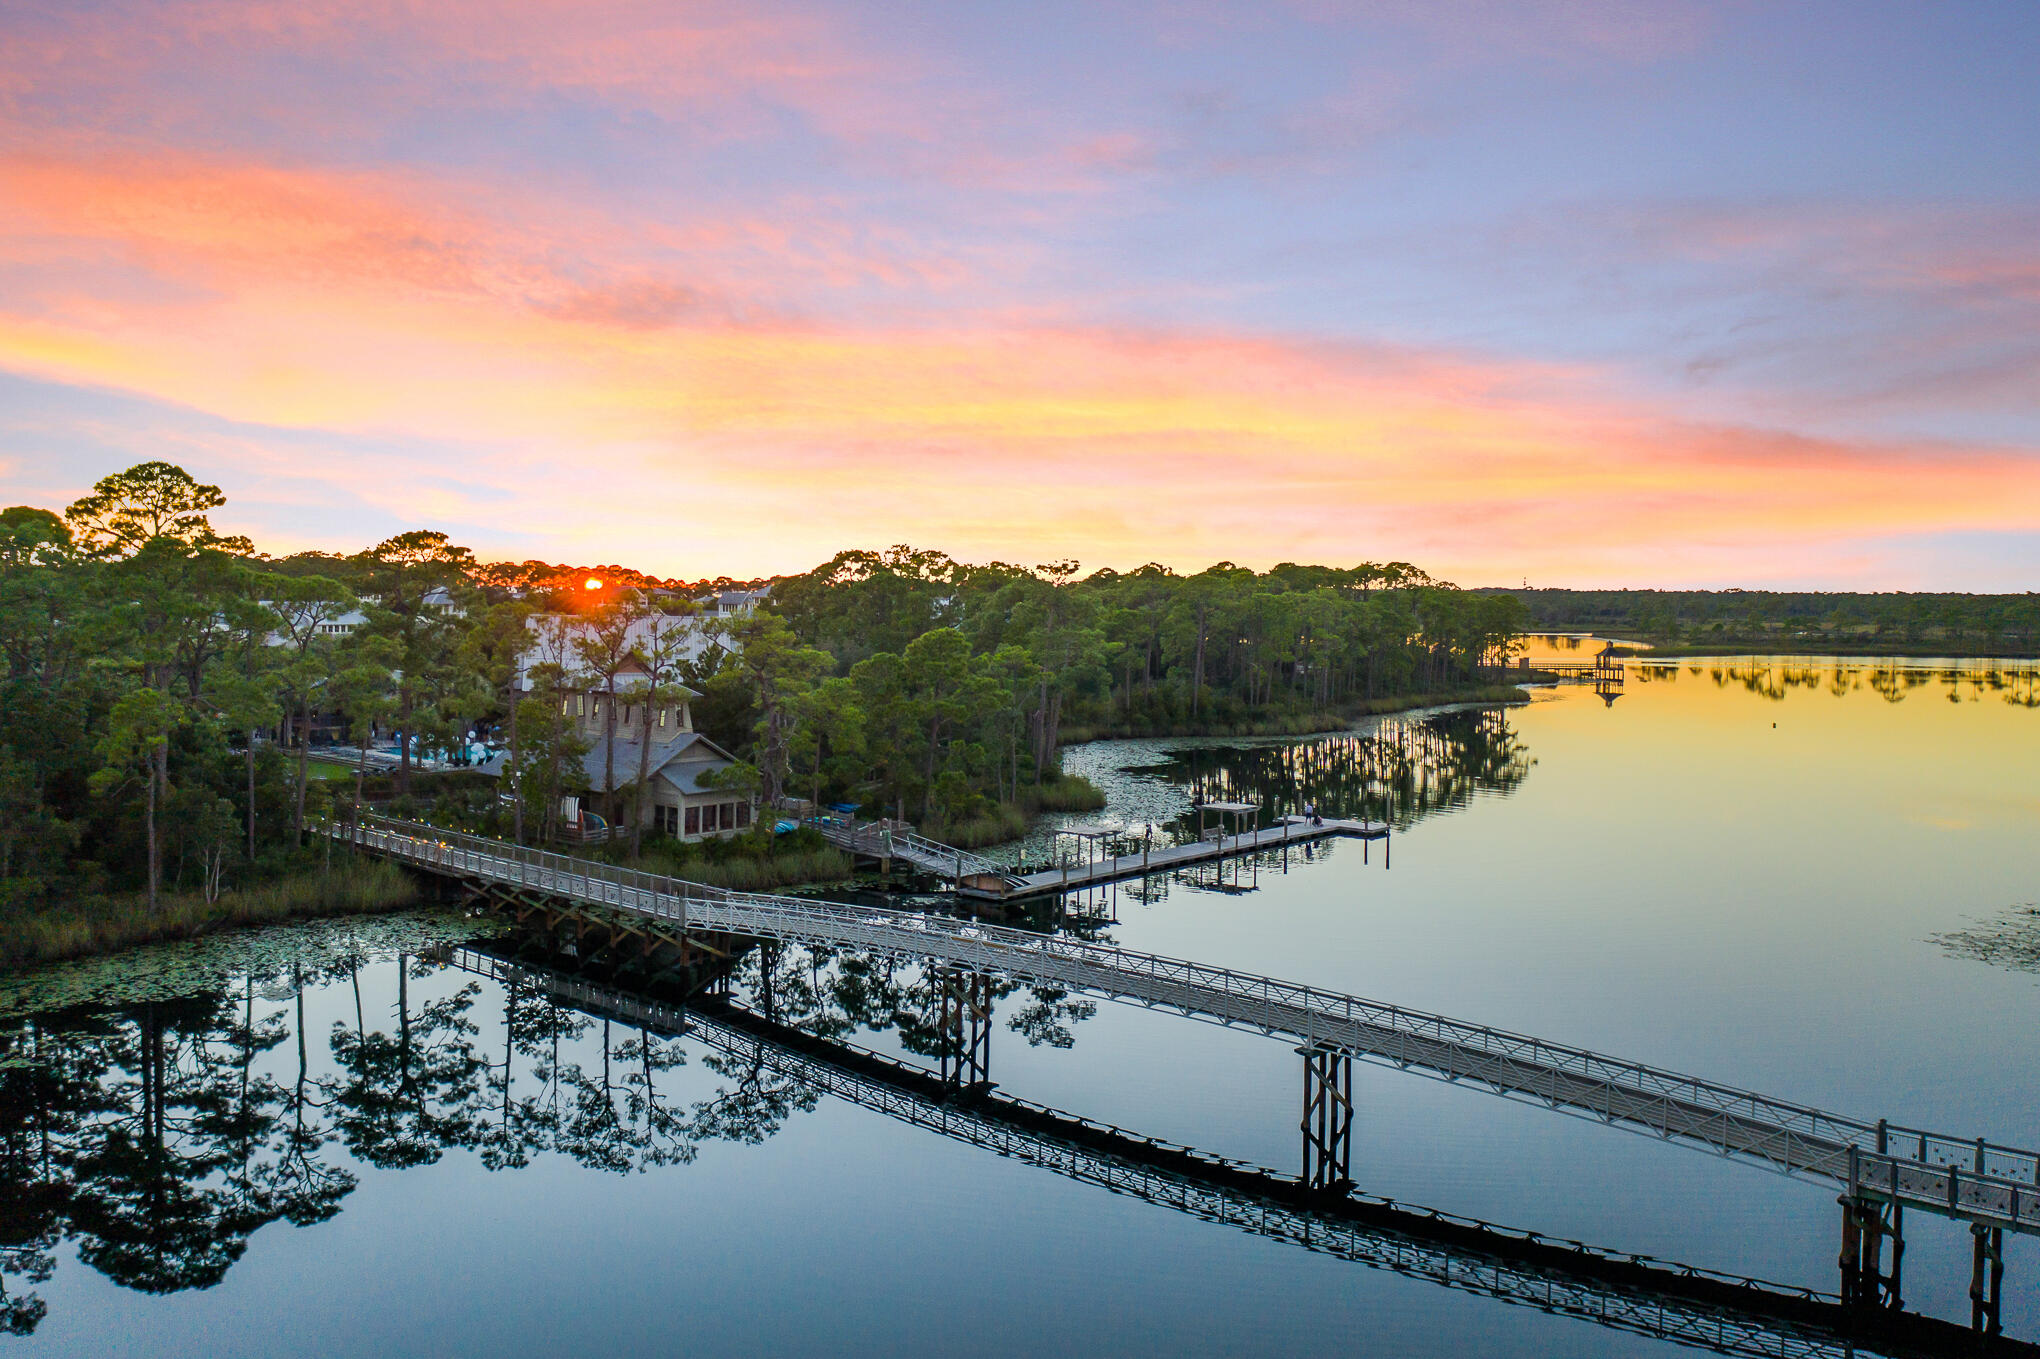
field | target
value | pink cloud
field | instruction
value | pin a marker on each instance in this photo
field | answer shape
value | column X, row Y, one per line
column 556, row 351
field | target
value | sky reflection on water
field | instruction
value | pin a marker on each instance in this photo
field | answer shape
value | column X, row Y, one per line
column 1760, row 872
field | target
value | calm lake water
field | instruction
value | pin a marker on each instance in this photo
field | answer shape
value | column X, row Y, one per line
column 1815, row 879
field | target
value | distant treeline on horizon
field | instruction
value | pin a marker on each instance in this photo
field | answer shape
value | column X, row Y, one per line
column 1985, row 624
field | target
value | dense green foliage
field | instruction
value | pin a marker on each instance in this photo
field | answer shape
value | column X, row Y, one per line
column 148, row 659
column 1770, row 620
column 135, row 659
column 941, row 691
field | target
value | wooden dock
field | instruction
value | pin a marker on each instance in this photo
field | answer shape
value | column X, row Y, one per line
column 1216, row 845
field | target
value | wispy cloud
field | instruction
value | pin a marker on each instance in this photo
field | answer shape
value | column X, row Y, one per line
column 724, row 287
column 317, row 302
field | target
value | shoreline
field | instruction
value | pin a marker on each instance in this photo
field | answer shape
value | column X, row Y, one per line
column 1310, row 724
column 99, row 926
column 1919, row 651
column 104, row 925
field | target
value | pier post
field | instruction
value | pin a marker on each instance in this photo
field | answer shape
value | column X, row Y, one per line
column 768, row 963
column 964, row 1018
column 1986, row 1278
column 1327, row 1119
column 1866, row 1224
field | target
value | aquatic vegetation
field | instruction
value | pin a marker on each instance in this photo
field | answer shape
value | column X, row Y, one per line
column 2010, row 939
column 176, row 968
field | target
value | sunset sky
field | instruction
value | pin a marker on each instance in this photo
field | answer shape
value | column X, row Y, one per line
column 1587, row 292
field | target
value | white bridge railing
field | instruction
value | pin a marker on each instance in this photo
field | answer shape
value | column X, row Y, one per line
column 879, row 839
column 1965, row 1178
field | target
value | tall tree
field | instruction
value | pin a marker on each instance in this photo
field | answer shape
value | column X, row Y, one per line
column 660, row 647
column 243, row 691
column 136, row 742
column 412, row 579
column 493, row 650
column 780, row 669
column 129, row 510
column 605, row 648
column 307, row 610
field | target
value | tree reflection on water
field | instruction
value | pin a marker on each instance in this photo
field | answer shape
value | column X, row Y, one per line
column 1403, row 771
column 1774, row 677
column 158, row 1136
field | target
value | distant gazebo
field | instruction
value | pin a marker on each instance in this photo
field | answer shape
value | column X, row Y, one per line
column 1095, row 840
column 1234, row 813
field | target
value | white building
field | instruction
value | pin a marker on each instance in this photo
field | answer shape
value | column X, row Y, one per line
column 681, row 765
column 734, row 603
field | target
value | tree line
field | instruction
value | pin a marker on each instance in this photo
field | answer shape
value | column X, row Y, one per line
column 146, row 655
column 148, row 659
column 1946, row 623
column 941, row 691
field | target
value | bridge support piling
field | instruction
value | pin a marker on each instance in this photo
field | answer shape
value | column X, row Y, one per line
column 768, row 963
column 964, row 1016
column 1987, row 1278
column 1327, row 1119
column 1866, row 1224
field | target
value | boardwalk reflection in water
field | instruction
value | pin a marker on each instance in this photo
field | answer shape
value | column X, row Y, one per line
column 155, row 1137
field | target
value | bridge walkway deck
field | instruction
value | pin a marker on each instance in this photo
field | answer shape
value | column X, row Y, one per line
column 1969, row 1179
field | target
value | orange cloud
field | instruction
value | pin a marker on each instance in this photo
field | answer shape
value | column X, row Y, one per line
column 646, row 404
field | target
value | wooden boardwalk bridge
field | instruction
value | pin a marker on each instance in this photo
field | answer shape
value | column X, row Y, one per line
column 1962, row 1177
column 1727, row 1314
column 981, row 879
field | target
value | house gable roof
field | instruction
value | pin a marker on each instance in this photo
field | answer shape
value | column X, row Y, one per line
column 694, row 753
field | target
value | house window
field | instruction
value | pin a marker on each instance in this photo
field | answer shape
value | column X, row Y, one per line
column 595, row 707
column 662, row 715
column 729, row 816
column 694, row 820
column 566, row 706
column 743, row 815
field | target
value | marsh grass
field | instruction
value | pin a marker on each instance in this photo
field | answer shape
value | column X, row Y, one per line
column 1065, row 793
column 996, row 823
column 742, row 863
column 101, row 924
column 991, row 825
column 802, row 868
